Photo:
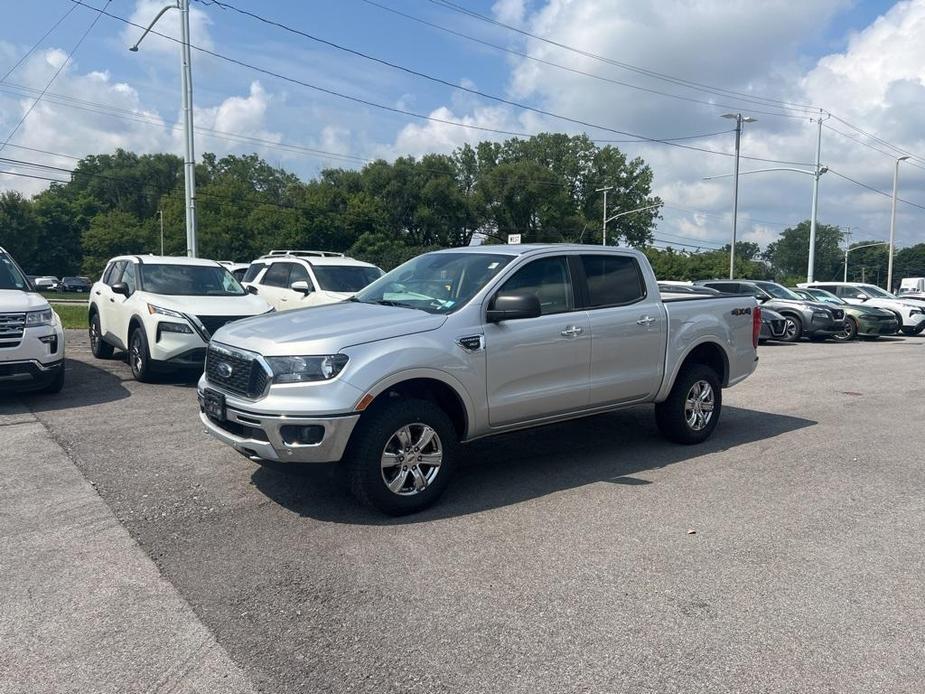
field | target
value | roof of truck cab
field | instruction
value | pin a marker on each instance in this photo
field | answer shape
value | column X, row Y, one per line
column 524, row 248
column 167, row 260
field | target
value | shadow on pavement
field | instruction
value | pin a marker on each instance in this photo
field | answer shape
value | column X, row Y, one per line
column 515, row 467
column 84, row 385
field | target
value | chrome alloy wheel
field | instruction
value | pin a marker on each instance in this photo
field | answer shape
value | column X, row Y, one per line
column 94, row 336
column 698, row 406
column 790, row 328
column 411, row 459
column 135, row 355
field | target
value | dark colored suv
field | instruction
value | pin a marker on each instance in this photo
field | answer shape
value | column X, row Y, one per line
column 811, row 319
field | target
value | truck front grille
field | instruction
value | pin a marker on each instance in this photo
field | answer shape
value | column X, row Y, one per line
column 236, row 371
column 12, row 326
column 213, row 323
column 837, row 313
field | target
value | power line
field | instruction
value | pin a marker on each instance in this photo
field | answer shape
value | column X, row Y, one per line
column 566, row 68
column 877, row 139
column 876, row 190
column 38, row 43
column 891, row 155
column 690, row 84
column 55, row 75
column 412, row 114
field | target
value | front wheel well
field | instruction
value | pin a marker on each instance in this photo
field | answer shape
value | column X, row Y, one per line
column 712, row 355
column 432, row 390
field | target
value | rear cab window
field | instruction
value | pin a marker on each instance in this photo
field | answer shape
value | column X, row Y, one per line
column 613, row 280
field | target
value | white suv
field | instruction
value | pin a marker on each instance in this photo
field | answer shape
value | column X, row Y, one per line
column 297, row 279
column 910, row 314
column 163, row 310
column 31, row 337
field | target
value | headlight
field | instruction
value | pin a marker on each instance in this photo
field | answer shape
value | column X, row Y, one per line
column 301, row 369
column 37, row 318
column 822, row 314
column 168, row 327
column 152, row 309
column 915, row 311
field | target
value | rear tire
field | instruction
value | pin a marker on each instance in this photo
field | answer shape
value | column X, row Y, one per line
column 793, row 329
column 388, row 455
column 139, row 358
column 99, row 348
column 684, row 417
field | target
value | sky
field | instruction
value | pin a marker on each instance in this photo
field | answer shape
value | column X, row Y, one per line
column 660, row 70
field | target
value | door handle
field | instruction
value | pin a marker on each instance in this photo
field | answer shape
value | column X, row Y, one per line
column 571, row 331
column 646, row 320
column 97, row 292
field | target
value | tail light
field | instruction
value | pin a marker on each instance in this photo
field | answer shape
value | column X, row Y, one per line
column 756, row 325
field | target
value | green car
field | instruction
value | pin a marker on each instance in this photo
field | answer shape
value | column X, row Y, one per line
column 868, row 322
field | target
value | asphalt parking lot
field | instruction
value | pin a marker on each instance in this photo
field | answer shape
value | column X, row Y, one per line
column 786, row 554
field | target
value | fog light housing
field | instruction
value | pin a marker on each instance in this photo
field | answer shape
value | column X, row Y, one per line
column 302, row 435
column 51, row 341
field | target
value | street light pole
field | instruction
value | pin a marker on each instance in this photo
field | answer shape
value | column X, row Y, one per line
column 186, row 88
column 889, row 272
column 817, row 174
column 160, row 214
column 739, row 119
column 857, row 248
column 604, row 218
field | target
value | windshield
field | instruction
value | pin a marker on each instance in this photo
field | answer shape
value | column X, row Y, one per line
column 778, row 291
column 435, row 282
column 10, row 275
column 874, row 290
column 823, row 295
column 345, row 278
column 189, row 280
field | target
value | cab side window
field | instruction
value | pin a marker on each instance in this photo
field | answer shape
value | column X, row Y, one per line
column 114, row 273
column 298, row 273
column 549, row 280
column 277, row 275
column 613, row 280
column 128, row 277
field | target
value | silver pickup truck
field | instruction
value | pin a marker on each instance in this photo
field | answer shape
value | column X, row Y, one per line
column 469, row 342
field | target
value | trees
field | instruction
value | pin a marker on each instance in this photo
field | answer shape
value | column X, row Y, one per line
column 789, row 254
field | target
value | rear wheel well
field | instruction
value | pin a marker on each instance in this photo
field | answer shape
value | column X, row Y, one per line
column 432, row 390
column 712, row 355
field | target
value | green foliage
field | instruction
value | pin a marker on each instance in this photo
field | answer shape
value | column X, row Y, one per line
column 113, row 233
column 790, row 253
column 671, row 264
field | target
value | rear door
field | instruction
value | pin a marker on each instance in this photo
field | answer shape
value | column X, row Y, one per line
column 105, row 298
column 538, row 367
column 120, row 307
column 628, row 329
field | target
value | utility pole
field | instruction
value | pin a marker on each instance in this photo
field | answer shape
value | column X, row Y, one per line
column 817, row 169
column 186, row 88
column 847, row 248
column 604, row 223
column 889, row 272
column 739, row 119
column 160, row 214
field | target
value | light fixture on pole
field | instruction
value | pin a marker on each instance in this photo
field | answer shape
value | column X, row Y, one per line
column 739, row 119
column 889, row 271
column 186, row 87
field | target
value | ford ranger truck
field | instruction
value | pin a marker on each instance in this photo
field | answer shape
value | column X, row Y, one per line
column 465, row 343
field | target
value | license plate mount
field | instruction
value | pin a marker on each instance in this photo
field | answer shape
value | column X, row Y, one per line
column 214, row 405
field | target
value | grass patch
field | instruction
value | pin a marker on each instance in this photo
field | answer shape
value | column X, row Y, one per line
column 72, row 315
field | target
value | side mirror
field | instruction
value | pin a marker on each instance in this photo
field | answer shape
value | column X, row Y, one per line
column 301, row 286
column 862, row 297
column 121, row 288
column 251, row 289
column 513, row 306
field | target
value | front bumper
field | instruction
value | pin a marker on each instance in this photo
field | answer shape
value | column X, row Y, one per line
column 823, row 326
column 28, row 374
column 260, row 436
column 877, row 327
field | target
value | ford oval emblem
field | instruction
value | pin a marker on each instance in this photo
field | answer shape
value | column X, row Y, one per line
column 223, row 368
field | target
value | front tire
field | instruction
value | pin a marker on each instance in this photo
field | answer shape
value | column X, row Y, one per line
column 138, row 356
column 849, row 333
column 99, row 348
column 692, row 410
column 793, row 329
column 401, row 456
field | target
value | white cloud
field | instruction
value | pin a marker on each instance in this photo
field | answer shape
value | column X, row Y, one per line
column 168, row 25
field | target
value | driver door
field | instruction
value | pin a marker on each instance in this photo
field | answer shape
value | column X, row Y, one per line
column 539, row 367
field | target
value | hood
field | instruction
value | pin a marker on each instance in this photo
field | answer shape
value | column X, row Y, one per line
column 325, row 329
column 247, row 305
column 16, row 300
column 800, row 303
column 867, row 310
